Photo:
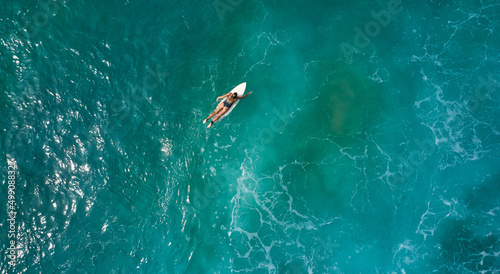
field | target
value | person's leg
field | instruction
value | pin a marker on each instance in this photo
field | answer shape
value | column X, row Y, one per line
column 219, row 108
column 224, row 110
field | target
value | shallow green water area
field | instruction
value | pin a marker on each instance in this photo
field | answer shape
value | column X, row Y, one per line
column 370, row 142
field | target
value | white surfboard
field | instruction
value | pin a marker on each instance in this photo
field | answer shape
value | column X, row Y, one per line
column 240, row 90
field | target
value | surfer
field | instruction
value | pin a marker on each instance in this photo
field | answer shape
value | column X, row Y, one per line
column 224, row 106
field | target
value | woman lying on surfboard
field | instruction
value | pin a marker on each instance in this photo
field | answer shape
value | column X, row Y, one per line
column 224, row 106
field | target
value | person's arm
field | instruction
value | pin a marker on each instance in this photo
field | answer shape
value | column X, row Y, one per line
column 223, row 96
column 239, row 98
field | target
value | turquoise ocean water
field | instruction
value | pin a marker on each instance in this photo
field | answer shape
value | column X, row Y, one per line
column 370, row 144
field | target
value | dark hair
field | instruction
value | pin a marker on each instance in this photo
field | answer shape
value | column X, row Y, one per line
column 235, row 94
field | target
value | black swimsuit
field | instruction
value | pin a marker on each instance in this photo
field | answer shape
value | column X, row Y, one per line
column 227, row 104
